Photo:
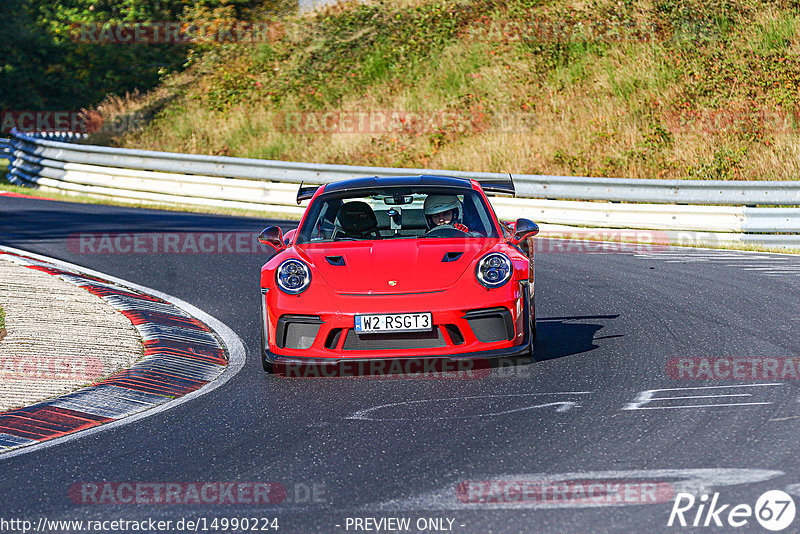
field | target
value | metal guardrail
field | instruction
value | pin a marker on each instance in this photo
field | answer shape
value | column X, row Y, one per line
column 725, row 209
column 5, row 148
column 712, row 192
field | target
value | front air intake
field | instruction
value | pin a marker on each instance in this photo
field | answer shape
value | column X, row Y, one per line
column 491, row 324
column 407, row 340
column 297, row 331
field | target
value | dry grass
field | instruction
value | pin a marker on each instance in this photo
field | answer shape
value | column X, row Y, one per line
column 619, row 108
column 781, row 160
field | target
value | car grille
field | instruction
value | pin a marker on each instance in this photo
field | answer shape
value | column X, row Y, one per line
column 407, row 340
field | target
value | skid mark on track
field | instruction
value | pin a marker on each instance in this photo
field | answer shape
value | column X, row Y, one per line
column 444, row 408
column 771, row 265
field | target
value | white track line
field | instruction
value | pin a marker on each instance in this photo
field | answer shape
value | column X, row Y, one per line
column 237, row 355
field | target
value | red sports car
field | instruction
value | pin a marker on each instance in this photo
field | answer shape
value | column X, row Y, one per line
column 399, row 267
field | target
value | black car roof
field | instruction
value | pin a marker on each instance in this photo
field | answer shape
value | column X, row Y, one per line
column 502, row 186
column 395, row 181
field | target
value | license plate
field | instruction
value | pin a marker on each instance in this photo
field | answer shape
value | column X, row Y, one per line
column 394, row 322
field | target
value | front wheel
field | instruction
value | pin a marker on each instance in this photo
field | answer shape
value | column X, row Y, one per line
column 532, row 330
column 265, row 363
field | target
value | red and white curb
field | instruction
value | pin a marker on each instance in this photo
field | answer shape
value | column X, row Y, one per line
column 20, row 195
column 187, row 354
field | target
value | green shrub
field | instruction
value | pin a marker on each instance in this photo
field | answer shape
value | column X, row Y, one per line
column 726, row 164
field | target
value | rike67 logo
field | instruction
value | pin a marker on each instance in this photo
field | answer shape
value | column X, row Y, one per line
column 774, row 510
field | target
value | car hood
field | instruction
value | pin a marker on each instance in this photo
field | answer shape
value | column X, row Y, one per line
column 414, row 265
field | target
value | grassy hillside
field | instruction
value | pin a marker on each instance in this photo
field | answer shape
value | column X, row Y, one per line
column 699, row 89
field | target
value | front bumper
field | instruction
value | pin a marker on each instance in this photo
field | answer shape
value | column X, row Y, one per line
column 460, row 331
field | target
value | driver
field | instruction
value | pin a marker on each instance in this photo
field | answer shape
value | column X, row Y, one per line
column 444, row 210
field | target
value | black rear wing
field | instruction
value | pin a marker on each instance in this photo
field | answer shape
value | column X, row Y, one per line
column 306, row 193
column 499, row 186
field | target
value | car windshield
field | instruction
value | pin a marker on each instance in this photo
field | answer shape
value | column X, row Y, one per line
column 397, row 213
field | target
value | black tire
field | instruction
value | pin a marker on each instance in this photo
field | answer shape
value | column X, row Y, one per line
column 265, row 363
column 532, row 322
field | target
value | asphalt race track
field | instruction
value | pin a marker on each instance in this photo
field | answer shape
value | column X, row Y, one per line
column 611, row 325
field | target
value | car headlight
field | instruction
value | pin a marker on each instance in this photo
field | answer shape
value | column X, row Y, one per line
column 493, row 270
column 293, row 276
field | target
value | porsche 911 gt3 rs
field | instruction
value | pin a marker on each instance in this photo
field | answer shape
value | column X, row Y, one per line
column 398, row 267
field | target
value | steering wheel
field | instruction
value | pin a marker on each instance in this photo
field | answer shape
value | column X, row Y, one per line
column 445, row 230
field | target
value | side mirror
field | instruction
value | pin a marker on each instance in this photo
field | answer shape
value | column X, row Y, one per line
column 524, row 229
column 272, row 236
column 287, row 238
